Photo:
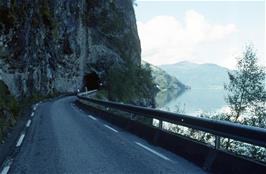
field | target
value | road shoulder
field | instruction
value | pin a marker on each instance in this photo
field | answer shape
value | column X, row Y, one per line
column 7, row 148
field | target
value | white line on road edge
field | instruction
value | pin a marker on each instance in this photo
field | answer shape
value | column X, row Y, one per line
column 32, row 114
column 5, row 169
column 73, row 106
column 92, row 117
column 152, row 151
column 110, row 128
column 28, row 123
column 20, row 140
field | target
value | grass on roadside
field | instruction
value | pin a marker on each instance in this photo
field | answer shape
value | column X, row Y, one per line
column 11, row 108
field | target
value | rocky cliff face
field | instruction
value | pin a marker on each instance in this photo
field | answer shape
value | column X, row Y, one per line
column 51, row 45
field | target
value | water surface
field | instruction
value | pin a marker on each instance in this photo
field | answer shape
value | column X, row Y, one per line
column 196, row 101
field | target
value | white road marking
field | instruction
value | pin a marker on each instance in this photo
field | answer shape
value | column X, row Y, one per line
column 92, row 117
column 28, row 123
column 152, row 151
column 32, row 114
column 111, row 128
column 5, row 170
column 21, row 138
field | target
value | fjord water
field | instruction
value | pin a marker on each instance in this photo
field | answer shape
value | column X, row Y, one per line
column 198, row 100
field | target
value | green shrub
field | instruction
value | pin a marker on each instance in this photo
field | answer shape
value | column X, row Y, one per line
column 13, row 15
column 91, row 4
column 131, row 84
column 47, row 16
column 101, row 94
column 11, row 108
column 8, row 109
column 7, row 17
column 34, row 22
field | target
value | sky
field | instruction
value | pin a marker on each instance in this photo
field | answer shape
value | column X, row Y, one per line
column 200, row 31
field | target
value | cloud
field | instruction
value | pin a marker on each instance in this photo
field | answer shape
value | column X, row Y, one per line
column 166, row 39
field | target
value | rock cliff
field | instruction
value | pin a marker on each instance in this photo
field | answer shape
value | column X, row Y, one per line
column 52, row 45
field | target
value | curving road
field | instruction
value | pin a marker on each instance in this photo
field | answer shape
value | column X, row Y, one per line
column 64, row 139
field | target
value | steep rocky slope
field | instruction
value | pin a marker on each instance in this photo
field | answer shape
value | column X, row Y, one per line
column 51, row 45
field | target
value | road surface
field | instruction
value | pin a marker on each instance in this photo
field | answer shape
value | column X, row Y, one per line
column 61, row 138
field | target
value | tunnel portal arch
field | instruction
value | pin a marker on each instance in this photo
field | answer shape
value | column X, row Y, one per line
column 91, row 81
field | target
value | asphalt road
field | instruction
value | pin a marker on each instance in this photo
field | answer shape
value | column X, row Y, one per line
column 64, row 139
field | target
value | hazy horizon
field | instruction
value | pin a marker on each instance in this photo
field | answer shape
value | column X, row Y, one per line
column 186, row 61
column 200, row 32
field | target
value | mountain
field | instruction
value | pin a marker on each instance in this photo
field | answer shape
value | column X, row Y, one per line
column 59, row 46
column 49, row 47
column 198, row 75
column 168, row 86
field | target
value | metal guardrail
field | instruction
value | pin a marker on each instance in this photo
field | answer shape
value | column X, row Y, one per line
column 248, row 134
column 86, row 93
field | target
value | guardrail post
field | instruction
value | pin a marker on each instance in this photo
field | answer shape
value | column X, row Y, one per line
column 160, row 124
column 131, row 116
column 158, row 132
column 217, row 142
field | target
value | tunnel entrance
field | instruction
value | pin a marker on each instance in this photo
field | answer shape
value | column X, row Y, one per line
column 91, row 81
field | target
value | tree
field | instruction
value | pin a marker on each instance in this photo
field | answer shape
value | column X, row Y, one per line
column 246, row 91
column 131, row 84
column 134, row 2
column 246, row 88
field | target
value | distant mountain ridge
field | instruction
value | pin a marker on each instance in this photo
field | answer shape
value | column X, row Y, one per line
column 168, row 86
column 198, row 75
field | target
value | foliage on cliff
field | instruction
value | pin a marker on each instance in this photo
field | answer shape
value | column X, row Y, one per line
column 12, row 108
column 8, row 109
column 131, row 85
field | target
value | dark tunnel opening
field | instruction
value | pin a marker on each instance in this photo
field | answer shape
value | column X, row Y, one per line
column 91, row 81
